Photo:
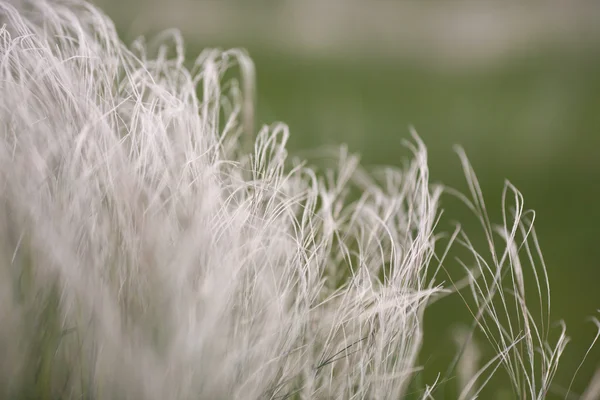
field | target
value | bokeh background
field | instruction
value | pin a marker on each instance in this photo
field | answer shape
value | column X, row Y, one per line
column 517, row 85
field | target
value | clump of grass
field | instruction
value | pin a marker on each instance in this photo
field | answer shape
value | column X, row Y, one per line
column 147, row 253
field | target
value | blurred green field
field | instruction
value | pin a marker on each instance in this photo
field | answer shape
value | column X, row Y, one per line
column 533, row 119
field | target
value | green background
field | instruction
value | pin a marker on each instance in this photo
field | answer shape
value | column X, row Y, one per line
column 505, row 117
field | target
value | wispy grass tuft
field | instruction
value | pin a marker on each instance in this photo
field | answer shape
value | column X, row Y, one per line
column 153, row 246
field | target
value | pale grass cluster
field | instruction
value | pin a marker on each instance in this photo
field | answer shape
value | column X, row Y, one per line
column 153, row 246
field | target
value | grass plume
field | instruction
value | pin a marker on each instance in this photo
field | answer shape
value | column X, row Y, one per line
column 147, row 252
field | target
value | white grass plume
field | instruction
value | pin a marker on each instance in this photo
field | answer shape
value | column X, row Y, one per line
column 146, row 254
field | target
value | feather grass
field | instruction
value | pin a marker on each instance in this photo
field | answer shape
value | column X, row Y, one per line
column 150, row 250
